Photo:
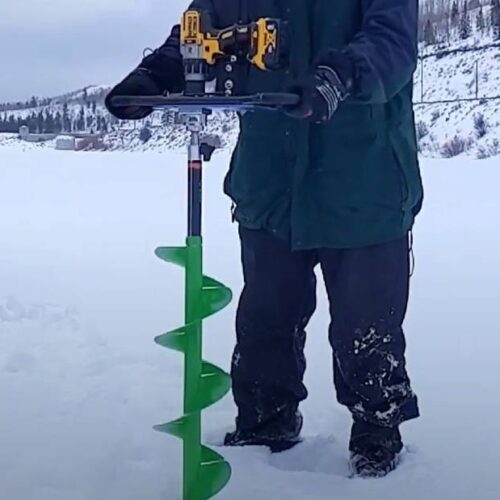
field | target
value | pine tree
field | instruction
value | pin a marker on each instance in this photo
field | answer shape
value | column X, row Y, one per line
column 455, row 14
column 495, row 18
column 32, row 121
column 429, row 33
column 12, row 124
column 104, row 125
column 480, row 21
column 49, row 123
column 40, row 123
column 80, row 122
column 66, row 122
column 465, row 28
column 58, row 122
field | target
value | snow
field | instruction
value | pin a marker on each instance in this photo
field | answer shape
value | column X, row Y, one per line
column 451, row 77
column 82, row 296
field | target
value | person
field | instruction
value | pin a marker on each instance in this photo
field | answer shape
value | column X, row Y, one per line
column 334, row 182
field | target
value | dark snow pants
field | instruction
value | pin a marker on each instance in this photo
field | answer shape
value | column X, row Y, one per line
column 368, row 294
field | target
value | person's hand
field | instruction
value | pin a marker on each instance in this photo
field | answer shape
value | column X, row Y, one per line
column 319, row 95
column 138, row 83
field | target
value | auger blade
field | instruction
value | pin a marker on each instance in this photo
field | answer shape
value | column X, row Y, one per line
column 214, row 385
column 175, row 340
column 215, row 296
column 214, row 474
column 173, row 255
column 175, row 428
column 205, row 471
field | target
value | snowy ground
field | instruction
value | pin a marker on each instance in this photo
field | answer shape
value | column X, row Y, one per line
column 453, row 77
column 81, row 297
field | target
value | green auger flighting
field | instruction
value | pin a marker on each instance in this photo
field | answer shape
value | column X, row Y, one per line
column 205, row 472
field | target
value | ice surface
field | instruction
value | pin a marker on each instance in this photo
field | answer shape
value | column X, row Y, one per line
column 82, row 296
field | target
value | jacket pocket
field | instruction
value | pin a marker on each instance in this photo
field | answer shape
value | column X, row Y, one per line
column 405, row 156
column 403, row 179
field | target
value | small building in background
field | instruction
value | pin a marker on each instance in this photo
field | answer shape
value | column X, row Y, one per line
column 77, row 141
column 24, row 132
column 65, row 143
column 88, row 142
column 25, row 135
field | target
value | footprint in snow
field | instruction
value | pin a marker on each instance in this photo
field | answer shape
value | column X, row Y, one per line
column 14, row 311
column 320, row 455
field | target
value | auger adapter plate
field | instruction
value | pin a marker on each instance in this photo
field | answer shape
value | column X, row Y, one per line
column 269, row 101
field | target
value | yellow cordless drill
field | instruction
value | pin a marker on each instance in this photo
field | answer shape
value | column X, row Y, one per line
column 202, row 47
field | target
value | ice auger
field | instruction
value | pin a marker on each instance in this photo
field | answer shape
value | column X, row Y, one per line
column 205, row 472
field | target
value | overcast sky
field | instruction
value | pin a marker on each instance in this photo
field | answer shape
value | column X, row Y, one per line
column 49, row 47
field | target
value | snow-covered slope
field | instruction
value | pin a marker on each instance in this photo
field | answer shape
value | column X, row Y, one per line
column 453, row 77
column 81, row 297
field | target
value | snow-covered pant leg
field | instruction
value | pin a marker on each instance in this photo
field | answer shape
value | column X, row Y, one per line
column 277, row 301
column 368, row 291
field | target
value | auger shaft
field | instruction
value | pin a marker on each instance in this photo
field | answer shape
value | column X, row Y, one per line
column 194, row 275
column 194, row 286
column 195, row 185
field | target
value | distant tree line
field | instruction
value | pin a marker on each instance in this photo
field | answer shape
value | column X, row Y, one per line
column 442, row 21
column 34, row 102
column 54, row 122
column 79, row 97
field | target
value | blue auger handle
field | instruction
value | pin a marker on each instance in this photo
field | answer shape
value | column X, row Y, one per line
column 274, row 100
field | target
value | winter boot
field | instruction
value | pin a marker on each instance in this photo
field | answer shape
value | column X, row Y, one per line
column 375, row 451
column 278, row 435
